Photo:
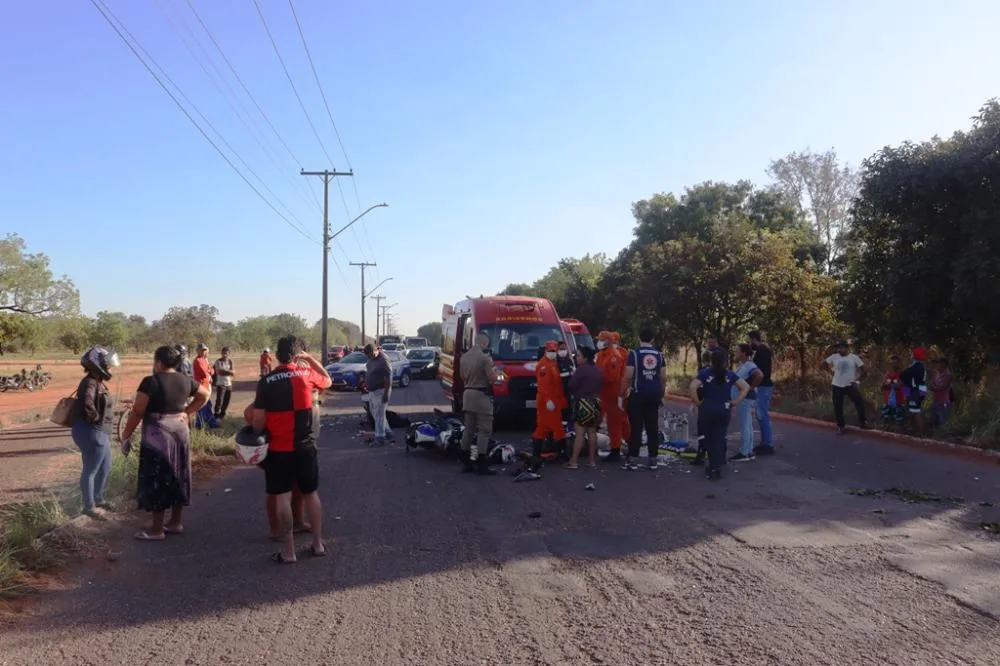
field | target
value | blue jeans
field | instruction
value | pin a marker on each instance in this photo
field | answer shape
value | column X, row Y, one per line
column 378, row 408
column 764, row 414
column 95, row 446
column 745, row 416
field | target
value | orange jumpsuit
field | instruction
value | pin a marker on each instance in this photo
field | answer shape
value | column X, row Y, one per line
column 623, row 354
column 550, row 387
column 613, row 369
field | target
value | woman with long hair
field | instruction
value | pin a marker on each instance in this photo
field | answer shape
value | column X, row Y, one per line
column 161, row 404
column 91, row 427
column 712, row 392
column 585, row 387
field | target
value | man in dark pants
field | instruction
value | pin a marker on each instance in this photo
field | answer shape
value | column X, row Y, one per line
column 712, row 391
column 847, row 370
column 645, row 384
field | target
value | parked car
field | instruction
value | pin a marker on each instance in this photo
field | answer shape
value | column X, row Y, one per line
column 423, row 362
column 401, row 373
column 336, row 353
column 394, row 347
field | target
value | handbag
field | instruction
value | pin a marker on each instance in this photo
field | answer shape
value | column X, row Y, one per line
column 65, row 411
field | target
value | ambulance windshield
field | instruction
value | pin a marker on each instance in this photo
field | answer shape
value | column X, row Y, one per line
column 519, row 341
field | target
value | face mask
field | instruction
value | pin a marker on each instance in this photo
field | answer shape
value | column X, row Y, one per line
column 614, row 345
column 550, row 355
column 562, row 353
column 601, row 344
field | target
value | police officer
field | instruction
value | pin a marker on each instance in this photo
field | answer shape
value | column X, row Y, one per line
column 645, row 383
column 478, row 377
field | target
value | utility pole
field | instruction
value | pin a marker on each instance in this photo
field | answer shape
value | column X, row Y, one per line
column 363, row 265
column 378, row 308
column 385, row 316
column 327, row 176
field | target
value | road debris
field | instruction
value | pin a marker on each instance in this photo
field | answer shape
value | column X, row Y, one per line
column 907, row 495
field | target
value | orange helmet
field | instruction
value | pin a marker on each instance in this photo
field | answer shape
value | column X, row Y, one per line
column 604, row 335
column 551, row 345
column 616, row 337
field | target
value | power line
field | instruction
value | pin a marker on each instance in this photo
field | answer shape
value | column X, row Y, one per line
column 288, row 75
column 235, row 111
column 108, row 15
column 253, row 99
column 340, row 142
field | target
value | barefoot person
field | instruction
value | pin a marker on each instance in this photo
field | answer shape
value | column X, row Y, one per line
column 585, row 387
column 161, row 403
column 285, row 407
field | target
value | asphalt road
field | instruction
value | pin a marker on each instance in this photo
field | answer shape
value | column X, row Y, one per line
column 776, row 564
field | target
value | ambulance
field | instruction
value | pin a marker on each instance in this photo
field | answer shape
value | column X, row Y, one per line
column 518, row 328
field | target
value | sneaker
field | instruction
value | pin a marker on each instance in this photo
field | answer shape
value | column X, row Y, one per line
column 764, row 451
column 653, row 463
column 614, row 456
column 841, row 431
column 629, row 466
column 713, row 474
column 742, row 457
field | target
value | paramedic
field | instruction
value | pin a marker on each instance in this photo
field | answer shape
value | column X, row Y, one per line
column 612, row 369
column 712, row 391
column 645, row 379
column 550, row 402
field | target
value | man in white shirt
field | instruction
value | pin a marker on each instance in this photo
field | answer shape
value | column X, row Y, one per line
column 223, row 383
column 847, row 369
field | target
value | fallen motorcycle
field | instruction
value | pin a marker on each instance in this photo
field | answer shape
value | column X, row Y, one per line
column 443, row 433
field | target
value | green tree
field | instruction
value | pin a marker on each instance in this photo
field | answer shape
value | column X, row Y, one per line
column 110, row 329
column 14, row 328
column 432, row 332
column 517, row 289
column 27, row 285
column 189, row 325
column 924, row 252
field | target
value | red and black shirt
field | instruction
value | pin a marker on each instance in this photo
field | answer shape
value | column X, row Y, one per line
column 286, row 394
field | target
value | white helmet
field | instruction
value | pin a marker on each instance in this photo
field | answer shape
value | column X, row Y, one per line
column 267, row 350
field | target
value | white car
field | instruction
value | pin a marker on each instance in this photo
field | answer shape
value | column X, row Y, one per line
column 401, row 373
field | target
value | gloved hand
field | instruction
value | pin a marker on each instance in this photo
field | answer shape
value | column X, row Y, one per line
column 127, row 446
column 551, row 406
column 621, row 402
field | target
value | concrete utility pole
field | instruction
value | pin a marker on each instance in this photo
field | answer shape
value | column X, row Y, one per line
column 378, row 308
column 385, row 316
column 327, row 177
column 363, row 265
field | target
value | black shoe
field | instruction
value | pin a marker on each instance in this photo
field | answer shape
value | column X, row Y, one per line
column 614, row 456
column 764, row 451
column 536, row 447
column 483, row 467
column 742, row 457
column 467, row 465
column 698, row 460
column 713, row 474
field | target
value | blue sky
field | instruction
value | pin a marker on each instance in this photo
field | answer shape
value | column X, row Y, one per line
column 504, row 136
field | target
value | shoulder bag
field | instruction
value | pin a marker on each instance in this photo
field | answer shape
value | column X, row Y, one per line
column 65, row 411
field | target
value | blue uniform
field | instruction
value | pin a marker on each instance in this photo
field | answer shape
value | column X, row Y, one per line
column 713, row 415
column 644, row 403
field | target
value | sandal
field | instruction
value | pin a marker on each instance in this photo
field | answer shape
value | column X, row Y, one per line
column 171, row 530
column 318, row 553
column 570, row 465
column 592, row 465
column 278, row 559
column 304, row 529
column 145, row 536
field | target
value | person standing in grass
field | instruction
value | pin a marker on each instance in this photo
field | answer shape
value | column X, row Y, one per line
column 92, row 409
column 848, row 369
column 748, row 371
column 941, row 392
column 165, row 403
column 223, row 383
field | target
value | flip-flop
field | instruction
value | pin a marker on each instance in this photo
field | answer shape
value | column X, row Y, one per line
column 570, row 466
column 144, row 536
column 278, row 559
column 169, row 530
column 315, row 553
column 303, row 530
column 592, row 466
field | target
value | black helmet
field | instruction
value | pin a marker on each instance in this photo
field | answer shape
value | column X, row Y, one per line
column 181, row 349
column 99, row 361
column 247, row 437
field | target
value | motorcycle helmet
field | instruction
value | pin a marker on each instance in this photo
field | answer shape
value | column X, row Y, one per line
column 99, row 361
column 181, row 349
column 503, row 454
column 251, row 448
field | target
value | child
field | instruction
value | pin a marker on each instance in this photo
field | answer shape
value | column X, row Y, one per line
column 892, row 392
column 940, row 388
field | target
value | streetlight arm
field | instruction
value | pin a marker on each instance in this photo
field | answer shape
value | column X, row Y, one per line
column 375, row 288
column 348, row 225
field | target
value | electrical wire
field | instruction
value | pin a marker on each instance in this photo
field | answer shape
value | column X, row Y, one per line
column 249, row 94
column 336, row 132
column 114, row 22
column 265, row 149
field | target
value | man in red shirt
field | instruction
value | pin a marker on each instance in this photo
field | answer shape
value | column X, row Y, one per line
column 284, row 406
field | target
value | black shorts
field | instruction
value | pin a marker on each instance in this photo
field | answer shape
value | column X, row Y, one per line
column 283, row 470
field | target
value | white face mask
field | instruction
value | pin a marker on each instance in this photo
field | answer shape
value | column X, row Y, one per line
column 601, row 344
column 563, row 353
column 614, row 345
column 550, row 355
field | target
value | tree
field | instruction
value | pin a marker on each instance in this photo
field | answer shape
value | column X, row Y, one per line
column 924, row 250
column 188, row 325
column 823, row 189
column 13, row 328
column 27, row 285
column 73, row 333
column 110, row 329
column 286, row 324
column 517, row 289
column 432, row 332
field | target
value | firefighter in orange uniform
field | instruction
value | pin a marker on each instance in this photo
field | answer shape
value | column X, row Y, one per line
column 616, row 344
column 551, row 400
column 613, row 369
